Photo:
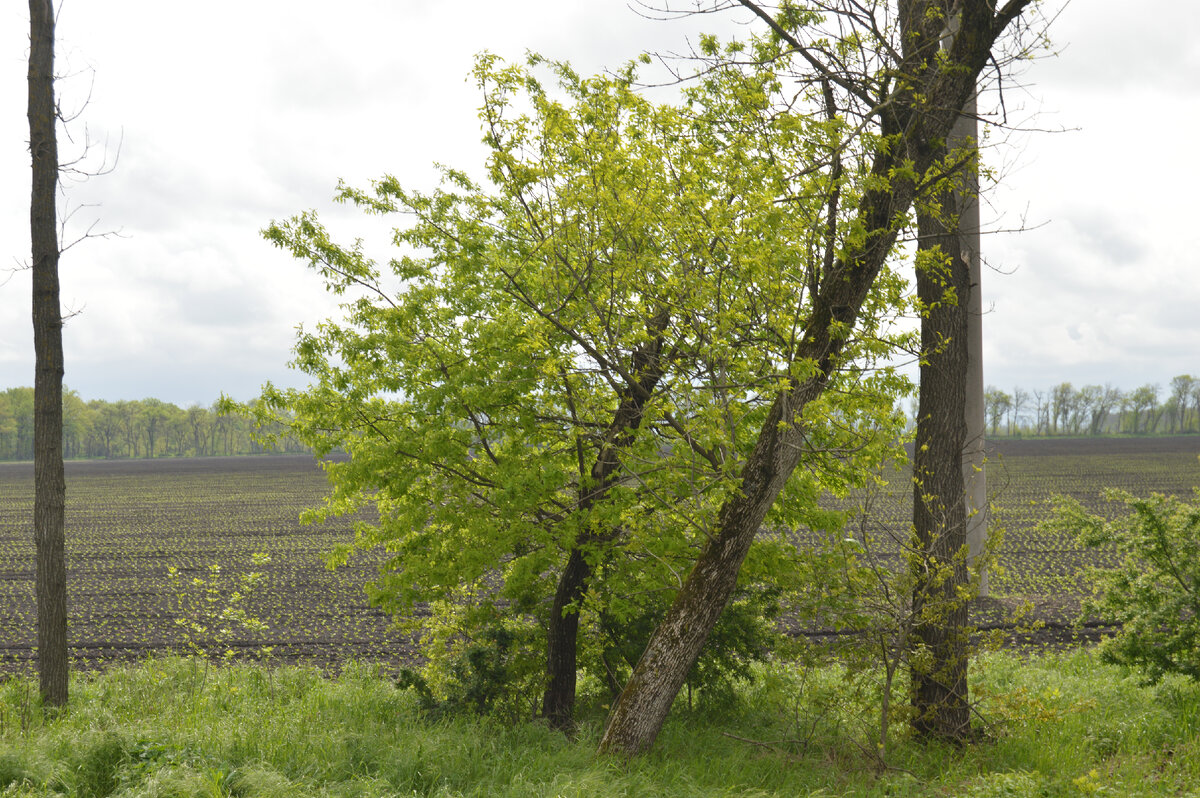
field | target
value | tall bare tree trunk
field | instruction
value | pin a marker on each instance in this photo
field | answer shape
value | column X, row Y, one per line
column 49, row 481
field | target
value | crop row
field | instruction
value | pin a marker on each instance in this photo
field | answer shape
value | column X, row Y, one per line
column 131, row 525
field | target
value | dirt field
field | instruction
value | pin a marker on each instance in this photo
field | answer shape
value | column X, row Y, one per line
column 129, row 522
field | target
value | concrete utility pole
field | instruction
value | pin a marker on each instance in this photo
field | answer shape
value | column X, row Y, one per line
column 974, row 470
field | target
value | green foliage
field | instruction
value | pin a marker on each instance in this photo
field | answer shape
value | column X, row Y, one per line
column 211, row 611
column 252, row 731
column 579, row 353
column 134, row 429
column 1154, row 593
column 746, row 634
column 480, row 661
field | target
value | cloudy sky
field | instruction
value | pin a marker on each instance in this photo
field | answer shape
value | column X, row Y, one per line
column 244, row 112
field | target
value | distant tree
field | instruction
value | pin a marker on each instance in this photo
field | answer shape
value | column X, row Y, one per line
column 1041, row 405
column 998, row 404
column 77, row 424
column 1170, row 413
column 1196, row 401
column 199, row 422
column 1077, row 412
column 16, row 423
column 1060, row 405
column 154, row 421
column 8, row 428
column 1182, row 387
column 50, row 489
column 1019, row 400
column 1143, row 406
column 1085, row 405
column 177, row 430
column 106, row 427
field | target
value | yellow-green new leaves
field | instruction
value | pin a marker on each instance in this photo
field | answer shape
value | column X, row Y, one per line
column 580, row 352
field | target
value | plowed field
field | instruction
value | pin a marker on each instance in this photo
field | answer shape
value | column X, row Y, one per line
column 129, row 522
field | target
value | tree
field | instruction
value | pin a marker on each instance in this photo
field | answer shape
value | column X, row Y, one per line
column 946, row 502
column 915, row 114
column 49, row 481
column 1020, row 398
column 1061, row 396
column 553, row 402
column 16, row 423
column 199, row 422
column 1182, row 386
column 1150, row 589
column 1143, row 400
column 939, row 638
column 155, row 414
column 1041, row 412
column 1196, row 401
column 998, row 404
column 77, row 424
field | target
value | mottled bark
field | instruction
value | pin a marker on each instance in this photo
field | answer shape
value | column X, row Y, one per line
column 49, row 481
column 915, row 119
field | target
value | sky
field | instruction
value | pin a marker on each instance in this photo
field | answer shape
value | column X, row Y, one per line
column 228, row 115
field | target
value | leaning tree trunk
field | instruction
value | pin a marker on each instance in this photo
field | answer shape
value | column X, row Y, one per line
column 639, row 712
column 49, row 482
column 916, row 116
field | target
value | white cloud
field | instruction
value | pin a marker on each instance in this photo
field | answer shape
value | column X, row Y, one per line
column 234, row 114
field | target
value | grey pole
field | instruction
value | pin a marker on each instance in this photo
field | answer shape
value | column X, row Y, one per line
column 965, row 130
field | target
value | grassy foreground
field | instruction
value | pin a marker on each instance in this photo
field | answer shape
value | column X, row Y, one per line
column 1059, row 725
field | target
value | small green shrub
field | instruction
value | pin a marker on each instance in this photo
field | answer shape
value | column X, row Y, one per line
column 480, row 660
column 745, row 634
column 1154, row 594
column 211, row 612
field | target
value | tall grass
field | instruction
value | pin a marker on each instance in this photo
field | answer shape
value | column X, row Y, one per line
column 1055, row 725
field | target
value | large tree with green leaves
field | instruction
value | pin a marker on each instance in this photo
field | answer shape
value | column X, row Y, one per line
column 888, row 64
column 562, row 383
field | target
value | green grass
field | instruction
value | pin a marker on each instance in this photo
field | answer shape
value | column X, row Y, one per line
column 1058, row 725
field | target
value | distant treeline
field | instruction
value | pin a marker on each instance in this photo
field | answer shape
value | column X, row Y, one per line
column 1096, row 410
column 128, row 429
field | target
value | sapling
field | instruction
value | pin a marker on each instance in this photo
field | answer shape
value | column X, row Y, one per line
column 1153, row 595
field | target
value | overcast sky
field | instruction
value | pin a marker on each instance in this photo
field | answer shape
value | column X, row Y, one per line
column 242, row 112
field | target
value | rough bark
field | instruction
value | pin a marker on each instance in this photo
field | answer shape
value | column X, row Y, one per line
column 49, row 481
column 562, row 641
column 912, row 131
column 949, row 498
column 939, row 680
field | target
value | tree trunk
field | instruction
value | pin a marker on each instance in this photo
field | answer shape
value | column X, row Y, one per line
column 949, row 493
column 939, row 687
column 558, row 702
column 646, row 369
column 49, row 481
column 910, row 132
